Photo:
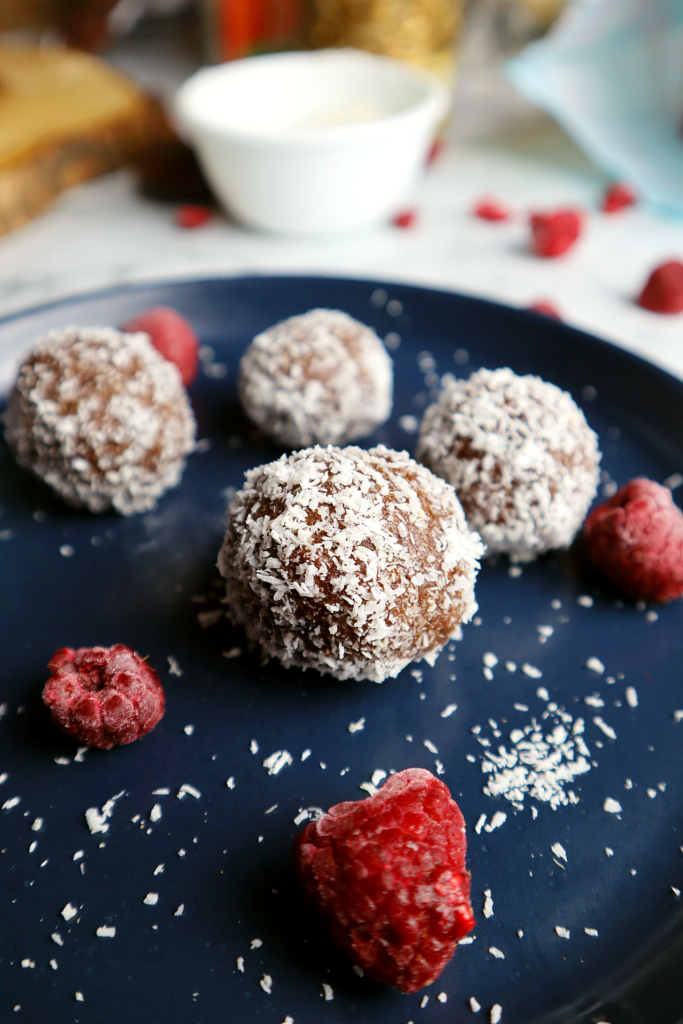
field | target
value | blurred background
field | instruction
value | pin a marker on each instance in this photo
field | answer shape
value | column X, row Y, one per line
column 97, row 188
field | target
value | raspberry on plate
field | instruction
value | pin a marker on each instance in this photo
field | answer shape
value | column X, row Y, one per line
column 636, row 539
column 553, row 233
column 663, row 292
column 388, row 876
column 102, row 696
column 545, row 308
column 172, row 336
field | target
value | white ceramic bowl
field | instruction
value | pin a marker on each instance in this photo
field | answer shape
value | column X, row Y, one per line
column 313, row 142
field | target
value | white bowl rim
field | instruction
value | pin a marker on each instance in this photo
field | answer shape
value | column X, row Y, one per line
column 433, row 105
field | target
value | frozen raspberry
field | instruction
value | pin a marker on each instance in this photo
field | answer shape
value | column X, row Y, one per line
column 405, row 219
column 663, row 292
column 636, row 539
column 617, row 197
column 435, row 150
column 192, row 216
column 545, row 308
column 552, row 234
column 388, row 876
column 172, row 336
column 103, row 695
column 490, row 209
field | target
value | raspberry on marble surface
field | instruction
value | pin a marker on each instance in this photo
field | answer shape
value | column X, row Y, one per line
column 491, row 209
column 349, row 561
column 318, row 378
column 545, row 308
column 617, row 198
column 103, row 696
column 636, row 539
column 555, row 232
column 102, row 418
column 389, row 878
column 172, row 335
column 522, row 459
column 663, row 291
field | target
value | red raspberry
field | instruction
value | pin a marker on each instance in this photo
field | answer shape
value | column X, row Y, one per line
column 636, row 539
column 405, row 219
column 192, row 216
column 490, row 209
column 553, row 233
column 172, row 336
column 617, row 197
column 388, row 876
column 103, row 695
column 663, row 292
column 435, row 150
column 545, row 308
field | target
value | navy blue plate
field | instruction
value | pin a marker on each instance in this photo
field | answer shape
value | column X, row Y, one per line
column 151, row 582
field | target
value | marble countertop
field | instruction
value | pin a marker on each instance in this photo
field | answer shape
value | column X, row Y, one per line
column 105, row 233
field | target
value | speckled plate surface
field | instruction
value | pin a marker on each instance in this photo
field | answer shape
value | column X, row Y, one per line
column 150, row 582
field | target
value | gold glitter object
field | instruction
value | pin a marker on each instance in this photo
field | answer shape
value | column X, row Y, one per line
column 420, row 31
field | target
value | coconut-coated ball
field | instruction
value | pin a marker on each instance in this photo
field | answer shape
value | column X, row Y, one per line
column 352, row 562
column 102, row 418
column 319, row 378
column 522, row 459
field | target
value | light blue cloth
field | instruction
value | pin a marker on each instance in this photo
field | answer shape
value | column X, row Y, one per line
column 611, row 73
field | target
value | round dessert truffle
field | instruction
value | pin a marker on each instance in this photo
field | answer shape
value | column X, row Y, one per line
column 319, row 378
column 348, row 561
column 102, row 418
column 522, row 459
column 636, row 539
column 103, row 695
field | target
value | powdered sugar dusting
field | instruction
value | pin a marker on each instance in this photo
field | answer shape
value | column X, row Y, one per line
column 520, row 455
column 349, row 561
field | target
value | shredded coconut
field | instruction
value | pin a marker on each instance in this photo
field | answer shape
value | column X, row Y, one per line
column 499, row 955
column 488, row 904
column 520, row 455
column 318, row 378
column 612, row 807
column 277, row 761
column 475, row 1006
column 496, row 1013
column 595, row 665
column 539, row 765
column 562, row 932
column 102, row 418
column 559, row 851
column 349, row 561
column 187, row 790
column 96, row 819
